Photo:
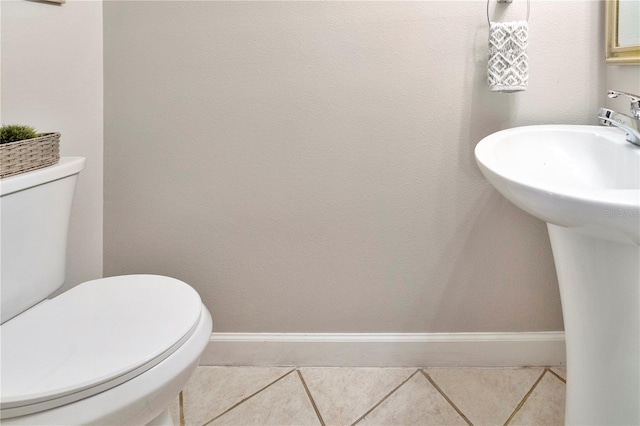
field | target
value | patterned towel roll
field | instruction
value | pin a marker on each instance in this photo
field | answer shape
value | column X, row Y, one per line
column 508, row 67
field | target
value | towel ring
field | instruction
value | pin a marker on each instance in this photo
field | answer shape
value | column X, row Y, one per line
column 507, row 1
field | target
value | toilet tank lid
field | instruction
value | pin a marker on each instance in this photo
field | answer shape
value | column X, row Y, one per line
column 67, row 166
column 93, row 334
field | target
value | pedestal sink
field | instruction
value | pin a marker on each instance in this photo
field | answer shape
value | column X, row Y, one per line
column 584, row 181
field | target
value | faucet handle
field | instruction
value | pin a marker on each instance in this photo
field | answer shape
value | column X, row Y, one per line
column 635, row 101
column 631, row 96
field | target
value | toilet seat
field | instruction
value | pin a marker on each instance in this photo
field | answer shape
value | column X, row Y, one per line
column 136, row 320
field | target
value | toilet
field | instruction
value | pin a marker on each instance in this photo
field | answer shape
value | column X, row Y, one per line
column 111, row 351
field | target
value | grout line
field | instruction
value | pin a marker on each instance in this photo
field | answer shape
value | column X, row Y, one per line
column 524, row 399
column 558, row 376
column 384, row 398
column 181, row 407
column 444, row 395
column 249, row 397
column 315, row 407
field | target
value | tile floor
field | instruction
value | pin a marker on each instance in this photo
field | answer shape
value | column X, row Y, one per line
column 372, row 396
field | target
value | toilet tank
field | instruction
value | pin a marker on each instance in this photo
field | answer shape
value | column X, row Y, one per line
column 34, row 221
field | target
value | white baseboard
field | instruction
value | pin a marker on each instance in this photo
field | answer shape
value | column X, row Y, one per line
column 386, row 349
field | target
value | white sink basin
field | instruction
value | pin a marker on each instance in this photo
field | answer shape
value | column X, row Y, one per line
column 584, row 177
column 584, row 181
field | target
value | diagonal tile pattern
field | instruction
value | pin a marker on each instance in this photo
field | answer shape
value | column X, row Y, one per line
column 416, row 402
column 545, row 404
column 342, row 395
column 371, row 396
column 283, row 403
column 212, row 390
column 560, row 372
column 486, row 395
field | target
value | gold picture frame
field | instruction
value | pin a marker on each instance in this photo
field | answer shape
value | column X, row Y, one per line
column 616, row 54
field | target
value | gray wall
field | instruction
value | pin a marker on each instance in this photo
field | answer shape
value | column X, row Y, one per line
column 309, row 167
column 52, row 80
column 625, row 78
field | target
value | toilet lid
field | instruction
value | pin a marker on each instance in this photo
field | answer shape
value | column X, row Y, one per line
column 93, row 337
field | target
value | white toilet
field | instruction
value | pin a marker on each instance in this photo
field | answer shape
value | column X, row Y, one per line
column 112, row 351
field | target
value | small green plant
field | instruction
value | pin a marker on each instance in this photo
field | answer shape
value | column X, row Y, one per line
column 16, row 132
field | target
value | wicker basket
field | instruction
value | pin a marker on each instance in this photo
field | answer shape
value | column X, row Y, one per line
column 29, row 154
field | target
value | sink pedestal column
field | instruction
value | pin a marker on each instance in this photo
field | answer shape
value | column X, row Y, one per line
column 600, row 290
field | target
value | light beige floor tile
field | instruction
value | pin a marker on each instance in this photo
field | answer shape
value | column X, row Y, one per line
column 545, row 405
column 485, row 395
column 560, row 371
column 174, row 410
column 212, row 390
column 416, row 402
column 342, row 395
column 284, row 403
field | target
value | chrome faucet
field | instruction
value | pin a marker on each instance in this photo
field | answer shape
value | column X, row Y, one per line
column 635, row 101
column 630, row 124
